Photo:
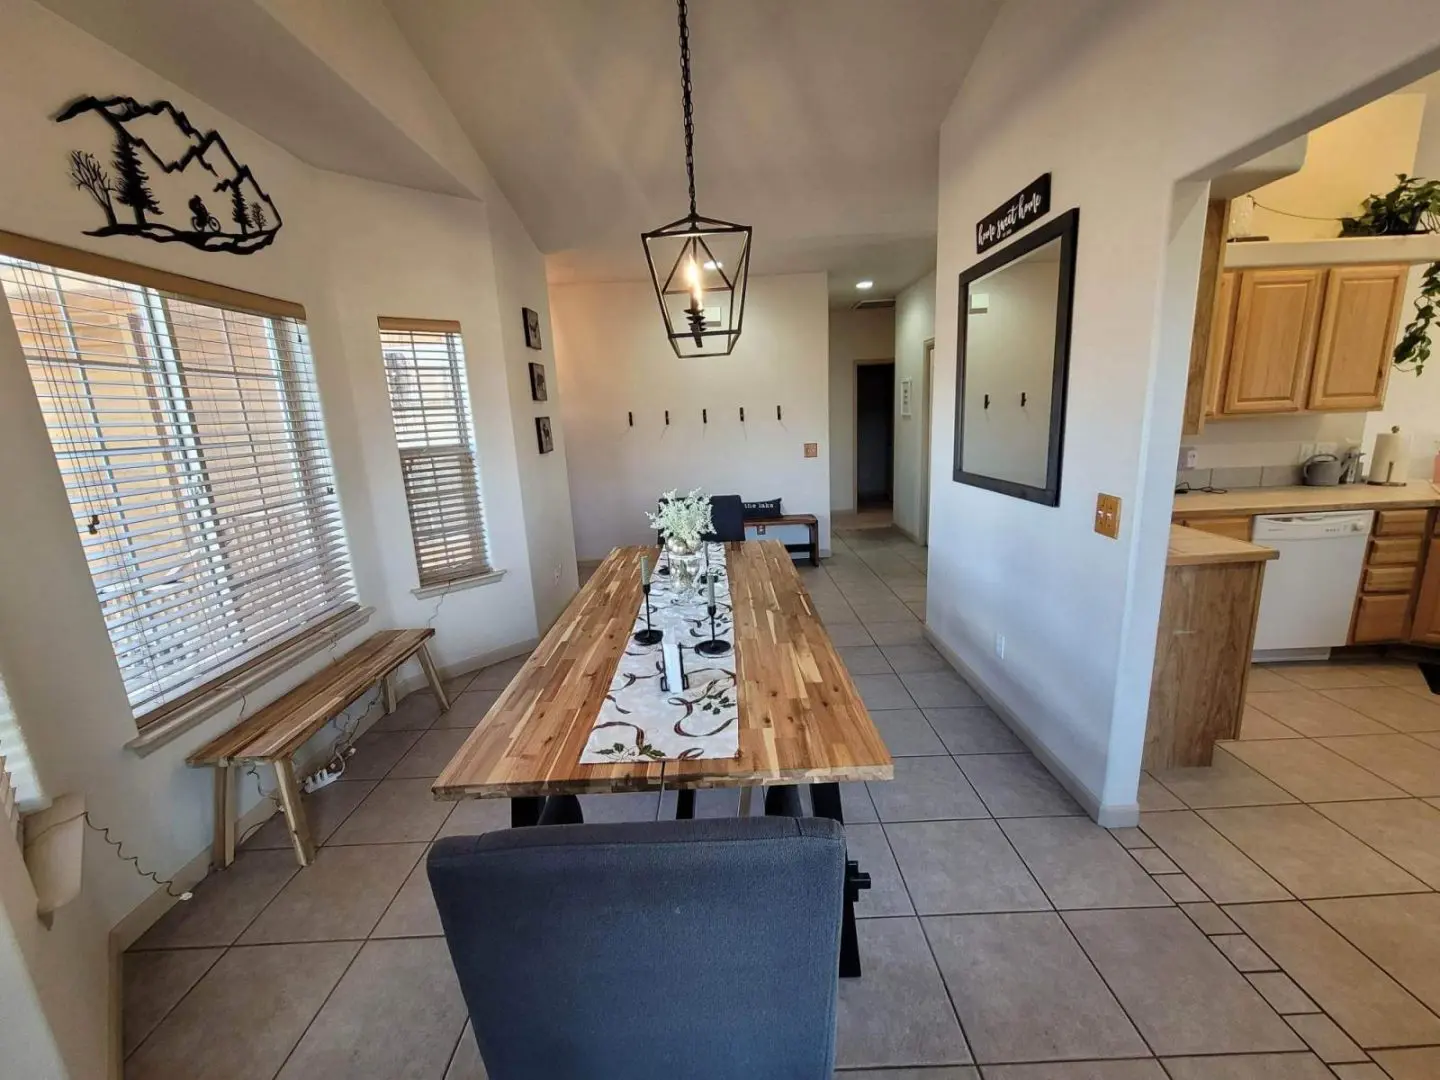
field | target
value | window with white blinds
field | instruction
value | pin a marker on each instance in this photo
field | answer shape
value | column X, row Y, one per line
column 425, row 376
column 189, row 436
column 17, row 780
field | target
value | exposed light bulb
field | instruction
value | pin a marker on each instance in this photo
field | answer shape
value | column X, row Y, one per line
column 692, row 275
column 866, row 284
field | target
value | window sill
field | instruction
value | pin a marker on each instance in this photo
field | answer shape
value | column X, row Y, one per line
column 441, row 589
column 227, row 693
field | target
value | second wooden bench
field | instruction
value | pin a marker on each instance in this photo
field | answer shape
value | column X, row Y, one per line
column 273, row 734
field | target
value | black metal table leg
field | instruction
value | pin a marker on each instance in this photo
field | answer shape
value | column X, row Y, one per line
column 684, row 804
column 825, row 798
column 525, row 811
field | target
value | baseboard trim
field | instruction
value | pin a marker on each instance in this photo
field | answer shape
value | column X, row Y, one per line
column 149, row 911
column 416, row 680
column 1110, row 816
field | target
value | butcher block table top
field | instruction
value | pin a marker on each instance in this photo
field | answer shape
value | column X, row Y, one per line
column 1191, row 547
column 801, row 718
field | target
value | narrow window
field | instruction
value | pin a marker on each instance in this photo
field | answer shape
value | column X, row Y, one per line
column 425, row 377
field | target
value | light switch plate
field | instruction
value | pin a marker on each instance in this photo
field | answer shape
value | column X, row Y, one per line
column 1107, row 515
column 812, row 449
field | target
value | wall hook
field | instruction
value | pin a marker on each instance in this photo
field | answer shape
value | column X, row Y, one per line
column 667, row 417
column 704, row 416
column 742, row 414
column 778, row 414
column 631, row 417
column 1022, row 399
column 987, row 401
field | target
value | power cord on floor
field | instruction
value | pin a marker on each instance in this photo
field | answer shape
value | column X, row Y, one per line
column 168, row 884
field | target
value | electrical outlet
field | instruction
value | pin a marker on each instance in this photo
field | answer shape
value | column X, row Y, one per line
column 812, row 449
column 1307, row 451
column 1107, row 515
column 1000, row 645
column 1188, row 456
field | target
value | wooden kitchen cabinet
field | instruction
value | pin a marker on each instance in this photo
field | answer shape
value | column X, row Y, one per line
column 1222, row 328
column 1380, row 617
column 1361, row 310
column 1426, row 627
column 1277, row 316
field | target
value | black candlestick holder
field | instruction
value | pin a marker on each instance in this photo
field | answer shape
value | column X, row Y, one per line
column 713, row 647
column 648, row 636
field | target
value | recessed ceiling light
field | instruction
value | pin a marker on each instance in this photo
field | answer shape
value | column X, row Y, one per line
column 711, row 264
column 866, row 284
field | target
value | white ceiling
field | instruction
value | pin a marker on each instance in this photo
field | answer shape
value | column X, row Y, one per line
column 817, row 123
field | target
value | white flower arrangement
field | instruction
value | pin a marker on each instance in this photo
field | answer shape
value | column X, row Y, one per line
column 683, row 518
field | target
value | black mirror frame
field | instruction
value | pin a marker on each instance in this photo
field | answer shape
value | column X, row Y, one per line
column 1066, row 227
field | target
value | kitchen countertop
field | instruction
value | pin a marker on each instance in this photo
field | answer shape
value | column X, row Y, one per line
column 1191, row 547
column 1283, row 500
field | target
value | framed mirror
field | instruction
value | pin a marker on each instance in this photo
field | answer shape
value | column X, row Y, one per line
column 1012, row 362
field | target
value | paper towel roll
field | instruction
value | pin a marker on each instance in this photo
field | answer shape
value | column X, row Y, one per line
column 1389, row 458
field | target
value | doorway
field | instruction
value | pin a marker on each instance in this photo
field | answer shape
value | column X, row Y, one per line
column 927, row 373
column 875, row 436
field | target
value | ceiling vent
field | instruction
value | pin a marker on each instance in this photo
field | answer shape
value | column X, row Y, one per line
column 872, row 305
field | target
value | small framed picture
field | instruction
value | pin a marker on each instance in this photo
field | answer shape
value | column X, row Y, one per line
column 542, row 434
column 532, row 330
column 537, row 383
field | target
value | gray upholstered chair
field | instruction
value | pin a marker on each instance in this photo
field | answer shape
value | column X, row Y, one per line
column 702, row 949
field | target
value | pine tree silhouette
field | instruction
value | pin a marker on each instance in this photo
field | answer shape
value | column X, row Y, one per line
column 257, row 216
column 239, row 211
column 133, row 189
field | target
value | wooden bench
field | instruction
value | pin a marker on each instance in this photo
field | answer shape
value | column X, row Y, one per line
column 808, row 520
column 274, row 733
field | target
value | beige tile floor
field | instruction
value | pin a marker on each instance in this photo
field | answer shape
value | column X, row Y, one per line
column 1272, row 918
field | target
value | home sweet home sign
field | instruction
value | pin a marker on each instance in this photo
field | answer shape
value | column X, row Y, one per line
column 1021, row 210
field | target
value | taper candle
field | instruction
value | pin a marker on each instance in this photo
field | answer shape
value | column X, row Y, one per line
column 644, row 569
column 710, row 590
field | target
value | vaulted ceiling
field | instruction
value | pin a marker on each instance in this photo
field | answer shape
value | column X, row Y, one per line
column 817, row 121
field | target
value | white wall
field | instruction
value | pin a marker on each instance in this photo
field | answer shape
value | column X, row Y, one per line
column 914, row 325
column 854, row 336
column 1118, row 100
column 350, row 251
column 614, row 360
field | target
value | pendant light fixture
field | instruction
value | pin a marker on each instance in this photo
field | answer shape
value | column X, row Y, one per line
column 699, row 266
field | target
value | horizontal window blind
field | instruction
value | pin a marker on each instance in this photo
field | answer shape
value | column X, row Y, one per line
column 190, row 440
column 17, row 781
column 425, row 376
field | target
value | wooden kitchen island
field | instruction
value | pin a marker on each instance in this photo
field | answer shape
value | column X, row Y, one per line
column 1202, row 651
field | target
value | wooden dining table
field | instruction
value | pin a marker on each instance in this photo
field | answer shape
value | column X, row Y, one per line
column 801, row 720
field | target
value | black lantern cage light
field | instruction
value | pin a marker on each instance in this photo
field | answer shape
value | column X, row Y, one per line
column 700, row 266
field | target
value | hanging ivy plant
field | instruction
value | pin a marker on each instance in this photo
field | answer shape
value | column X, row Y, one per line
column 1411, row 206
column 1414, row 346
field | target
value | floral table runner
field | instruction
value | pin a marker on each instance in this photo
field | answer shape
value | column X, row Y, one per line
column 640, row 722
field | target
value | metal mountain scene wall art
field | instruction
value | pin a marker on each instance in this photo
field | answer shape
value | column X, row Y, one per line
column 167, row 181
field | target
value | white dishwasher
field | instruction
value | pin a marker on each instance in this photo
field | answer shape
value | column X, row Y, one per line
column 1309, row 591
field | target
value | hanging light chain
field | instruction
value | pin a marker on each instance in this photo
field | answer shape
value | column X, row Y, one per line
column 689, row 108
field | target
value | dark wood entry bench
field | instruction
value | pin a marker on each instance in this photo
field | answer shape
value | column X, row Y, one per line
column 274, row 733
column 808, row 520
